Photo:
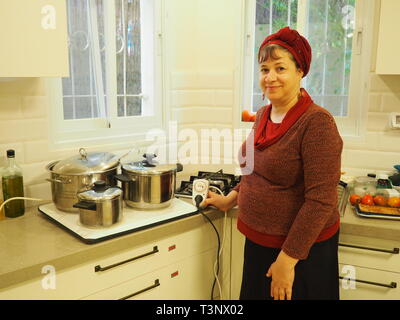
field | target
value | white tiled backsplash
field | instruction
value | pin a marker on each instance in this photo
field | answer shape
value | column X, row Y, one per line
column 196, row 101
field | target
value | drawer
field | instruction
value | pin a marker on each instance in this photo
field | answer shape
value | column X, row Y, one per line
column 369, row 252
column 99, row 274
column 377, row 288
column 189, row 279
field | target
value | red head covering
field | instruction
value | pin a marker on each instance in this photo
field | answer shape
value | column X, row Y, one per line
column 297, row 45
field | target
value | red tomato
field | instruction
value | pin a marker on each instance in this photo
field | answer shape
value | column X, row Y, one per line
column 394, row 202
column 252, row 117
column 380, row 200
column 354, row 199
column 246, row 115
column 368, row 200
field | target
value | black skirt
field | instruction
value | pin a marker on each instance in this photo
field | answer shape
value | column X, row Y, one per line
column 316, row 278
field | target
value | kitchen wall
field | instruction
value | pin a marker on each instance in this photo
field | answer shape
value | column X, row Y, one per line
column 202, row 92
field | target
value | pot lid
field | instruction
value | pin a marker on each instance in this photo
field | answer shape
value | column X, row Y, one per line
column 150, row 167
column 100, row 192
column 142, row 168
column 84, row 163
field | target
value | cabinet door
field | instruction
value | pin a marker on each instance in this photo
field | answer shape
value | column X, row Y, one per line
column 388, row 47
column 33, row 36
column 369, row 252
column 189, row 279
column 371, row 284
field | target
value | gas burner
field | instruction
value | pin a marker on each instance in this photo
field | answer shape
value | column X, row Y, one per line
column 223, row 181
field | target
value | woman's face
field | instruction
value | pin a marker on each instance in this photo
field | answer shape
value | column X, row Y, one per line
column 280, row 78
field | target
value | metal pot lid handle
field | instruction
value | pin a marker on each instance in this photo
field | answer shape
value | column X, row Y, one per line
column 149, row 162
column 179, row 167
column 83, row 153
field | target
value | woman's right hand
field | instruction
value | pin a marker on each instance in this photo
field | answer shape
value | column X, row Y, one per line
column 223, row 203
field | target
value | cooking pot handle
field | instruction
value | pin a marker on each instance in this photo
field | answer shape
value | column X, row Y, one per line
column 179, row 167
column 59, row 181
column 123, row 178
column 85, row 205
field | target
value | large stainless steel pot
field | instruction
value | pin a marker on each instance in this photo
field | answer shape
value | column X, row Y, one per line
column 76, row 174
column 147, row 185
column 100, row 206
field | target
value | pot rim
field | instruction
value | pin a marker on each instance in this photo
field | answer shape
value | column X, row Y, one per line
column 50, row 166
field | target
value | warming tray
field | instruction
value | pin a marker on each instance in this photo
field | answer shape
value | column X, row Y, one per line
column 132, row 220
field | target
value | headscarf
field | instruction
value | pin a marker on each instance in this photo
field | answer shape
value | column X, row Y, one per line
column 297, row 45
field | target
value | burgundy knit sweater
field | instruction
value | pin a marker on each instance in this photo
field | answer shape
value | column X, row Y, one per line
column 292, row 191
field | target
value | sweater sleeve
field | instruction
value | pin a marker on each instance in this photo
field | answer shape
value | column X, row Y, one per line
column 321, row 148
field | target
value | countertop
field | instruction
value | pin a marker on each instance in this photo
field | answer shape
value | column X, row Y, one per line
column 32, row 241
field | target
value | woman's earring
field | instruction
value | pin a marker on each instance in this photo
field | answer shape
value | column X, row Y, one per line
column 263, row 96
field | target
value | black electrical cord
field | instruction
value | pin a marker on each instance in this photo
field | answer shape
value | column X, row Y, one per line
column 198, row 200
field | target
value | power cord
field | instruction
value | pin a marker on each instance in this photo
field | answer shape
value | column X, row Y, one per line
column 20, row 198
column 198, row 200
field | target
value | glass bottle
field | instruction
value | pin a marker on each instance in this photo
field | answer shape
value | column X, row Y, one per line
column 13, row 186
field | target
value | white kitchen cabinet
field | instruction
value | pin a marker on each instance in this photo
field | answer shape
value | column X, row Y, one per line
column 191, row 253
column 373, row 263
column 387, row 59
column 189, row 279
column 381, row 285
column 33, row 37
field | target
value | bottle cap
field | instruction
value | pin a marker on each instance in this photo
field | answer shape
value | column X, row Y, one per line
column 10, row 153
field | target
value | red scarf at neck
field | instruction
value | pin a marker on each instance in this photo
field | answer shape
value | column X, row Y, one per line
column 261, row 140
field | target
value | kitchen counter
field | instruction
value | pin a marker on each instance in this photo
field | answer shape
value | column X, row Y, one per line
column 32, row 241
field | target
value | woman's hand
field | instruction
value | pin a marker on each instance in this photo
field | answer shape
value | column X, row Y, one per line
column 223, row 203
column 282, row 273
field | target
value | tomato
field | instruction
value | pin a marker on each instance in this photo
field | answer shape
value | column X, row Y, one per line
column 354, row 199
column 368, row 200
column 252, row 117
column 380, row 200
column 394, row 202
column 246, row 115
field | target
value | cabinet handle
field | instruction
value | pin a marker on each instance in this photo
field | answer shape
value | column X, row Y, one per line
column 99, row 268
column 156, row 284
column 392, row 285
column 392, row 251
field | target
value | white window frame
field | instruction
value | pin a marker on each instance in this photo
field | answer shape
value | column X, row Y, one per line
column 353, row 126
column 110, row 128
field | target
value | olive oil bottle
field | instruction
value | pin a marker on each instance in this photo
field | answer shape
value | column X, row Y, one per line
column 13, row 186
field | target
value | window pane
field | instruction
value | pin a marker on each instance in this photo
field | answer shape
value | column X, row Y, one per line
column 128, row 55
column 121, row 106
column 83, row 107
column 133, row 106
column 68, row 108
column 82, row 77
column 271, row 15
column 329, row 30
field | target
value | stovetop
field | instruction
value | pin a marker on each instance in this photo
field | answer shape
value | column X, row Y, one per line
column 223, row 181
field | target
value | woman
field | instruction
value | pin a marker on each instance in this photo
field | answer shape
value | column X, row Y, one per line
column 288, row 204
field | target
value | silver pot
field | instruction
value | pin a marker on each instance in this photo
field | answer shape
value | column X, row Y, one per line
column 76, row 174
column 100, row 206
column 147, row 185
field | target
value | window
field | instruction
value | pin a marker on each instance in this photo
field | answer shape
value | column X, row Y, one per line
column 334, row 32
column 115, row 70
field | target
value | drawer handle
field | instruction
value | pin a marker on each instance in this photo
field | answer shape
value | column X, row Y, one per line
column 392, row 251
column 392, row 285
column 99, row 268
column 156, row 284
